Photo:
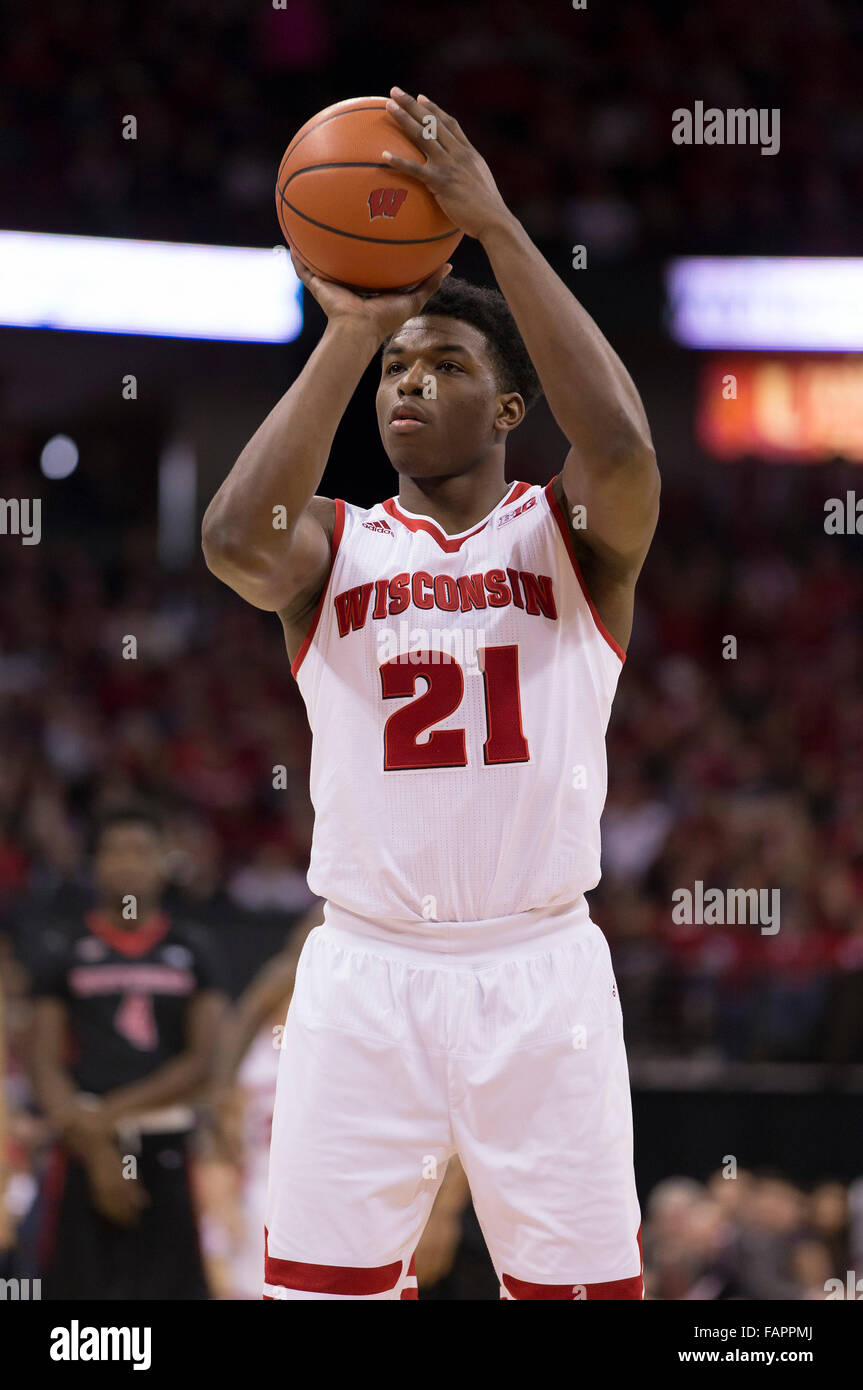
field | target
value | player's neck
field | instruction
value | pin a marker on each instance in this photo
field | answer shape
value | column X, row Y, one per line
column 459, row 502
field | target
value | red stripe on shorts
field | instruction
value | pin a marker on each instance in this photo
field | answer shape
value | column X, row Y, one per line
column 614, row 1289
column 338, row 1279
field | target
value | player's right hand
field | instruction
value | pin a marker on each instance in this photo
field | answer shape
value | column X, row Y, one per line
column 121, row 1200
column 383, row 313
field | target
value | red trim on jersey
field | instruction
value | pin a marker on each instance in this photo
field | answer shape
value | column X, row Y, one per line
column 136, row 942
column 563, row 527
column 335, row 541
column 448, row 543
column 618, row 1289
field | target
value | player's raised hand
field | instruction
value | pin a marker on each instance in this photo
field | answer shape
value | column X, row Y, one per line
column 384, row 312
column 455, row 172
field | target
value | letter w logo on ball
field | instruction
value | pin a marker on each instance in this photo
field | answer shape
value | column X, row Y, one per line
column 385, row 202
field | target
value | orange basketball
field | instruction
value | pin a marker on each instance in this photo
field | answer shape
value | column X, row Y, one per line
column 351, row 217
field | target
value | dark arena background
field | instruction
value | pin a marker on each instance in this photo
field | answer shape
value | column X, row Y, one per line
column 727, row 274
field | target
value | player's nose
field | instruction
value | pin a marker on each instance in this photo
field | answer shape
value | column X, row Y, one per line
column 411, row 380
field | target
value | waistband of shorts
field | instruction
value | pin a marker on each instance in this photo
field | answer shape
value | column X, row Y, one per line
column 523, row 933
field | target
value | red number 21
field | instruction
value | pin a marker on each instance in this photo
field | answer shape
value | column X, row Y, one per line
column 505, row 742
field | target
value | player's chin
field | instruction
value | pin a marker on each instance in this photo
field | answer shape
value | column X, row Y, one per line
column 413, row 458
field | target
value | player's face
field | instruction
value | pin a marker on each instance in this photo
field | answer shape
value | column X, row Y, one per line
column 130, row 859
column 442, row 369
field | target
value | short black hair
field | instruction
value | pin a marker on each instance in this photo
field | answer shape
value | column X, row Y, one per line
column 487, row 310
column 131, row 813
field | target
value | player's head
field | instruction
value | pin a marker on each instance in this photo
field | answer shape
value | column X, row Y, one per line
column 129, row 857
column 467, row 344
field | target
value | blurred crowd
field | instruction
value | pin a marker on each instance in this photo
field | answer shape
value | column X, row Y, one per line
column 571, row 107
column 754, row 1237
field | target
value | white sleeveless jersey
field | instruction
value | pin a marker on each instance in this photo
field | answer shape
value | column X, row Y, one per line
column 458, row 690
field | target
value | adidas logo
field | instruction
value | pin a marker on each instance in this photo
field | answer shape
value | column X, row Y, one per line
column 382, row 527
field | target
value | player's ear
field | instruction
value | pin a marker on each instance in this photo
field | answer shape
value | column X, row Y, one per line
column 510, row 411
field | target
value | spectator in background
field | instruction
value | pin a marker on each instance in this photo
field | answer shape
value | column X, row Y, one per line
column 137, row 994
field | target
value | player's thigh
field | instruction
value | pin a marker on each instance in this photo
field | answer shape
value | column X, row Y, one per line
column 360, row 1130
column 545, row 1136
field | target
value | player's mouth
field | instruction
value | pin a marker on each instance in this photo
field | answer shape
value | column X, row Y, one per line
column 404, row 418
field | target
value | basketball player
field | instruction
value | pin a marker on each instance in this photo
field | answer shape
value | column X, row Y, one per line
column 457, row 647
column 124, row 1026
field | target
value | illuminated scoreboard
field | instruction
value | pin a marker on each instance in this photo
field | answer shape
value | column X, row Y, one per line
column 784, row 374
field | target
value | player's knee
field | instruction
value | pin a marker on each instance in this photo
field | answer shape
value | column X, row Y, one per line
column 619, row 1289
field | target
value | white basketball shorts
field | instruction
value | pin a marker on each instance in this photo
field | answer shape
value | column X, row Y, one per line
column 500, row 1041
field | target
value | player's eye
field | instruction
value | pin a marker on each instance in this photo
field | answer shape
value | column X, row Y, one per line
column 388, row 370
column 450, row 364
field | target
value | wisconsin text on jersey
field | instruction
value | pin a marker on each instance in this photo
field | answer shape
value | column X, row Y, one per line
column 495, row 588
column 532, row 592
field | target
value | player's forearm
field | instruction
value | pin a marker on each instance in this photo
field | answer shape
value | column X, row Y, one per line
column 179, row 1079
column 269, row 991
column 284, row 461
column 55, row 1092
column 588, row 389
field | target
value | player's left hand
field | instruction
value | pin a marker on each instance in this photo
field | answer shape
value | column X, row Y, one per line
column 454, row 172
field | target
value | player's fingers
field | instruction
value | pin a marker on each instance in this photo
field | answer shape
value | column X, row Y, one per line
column 406, row 166
column 432, row 282
column 449, row 123
column 303, row 271
column 411, row 118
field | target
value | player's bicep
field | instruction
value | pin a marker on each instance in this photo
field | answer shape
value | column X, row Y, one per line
column 310, row 557
column 284, row 575
column 613, row 507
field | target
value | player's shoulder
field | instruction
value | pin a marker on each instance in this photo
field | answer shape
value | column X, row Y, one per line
column 197, row 942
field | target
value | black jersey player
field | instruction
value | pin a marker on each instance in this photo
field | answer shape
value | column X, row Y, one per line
column 126, row 1010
